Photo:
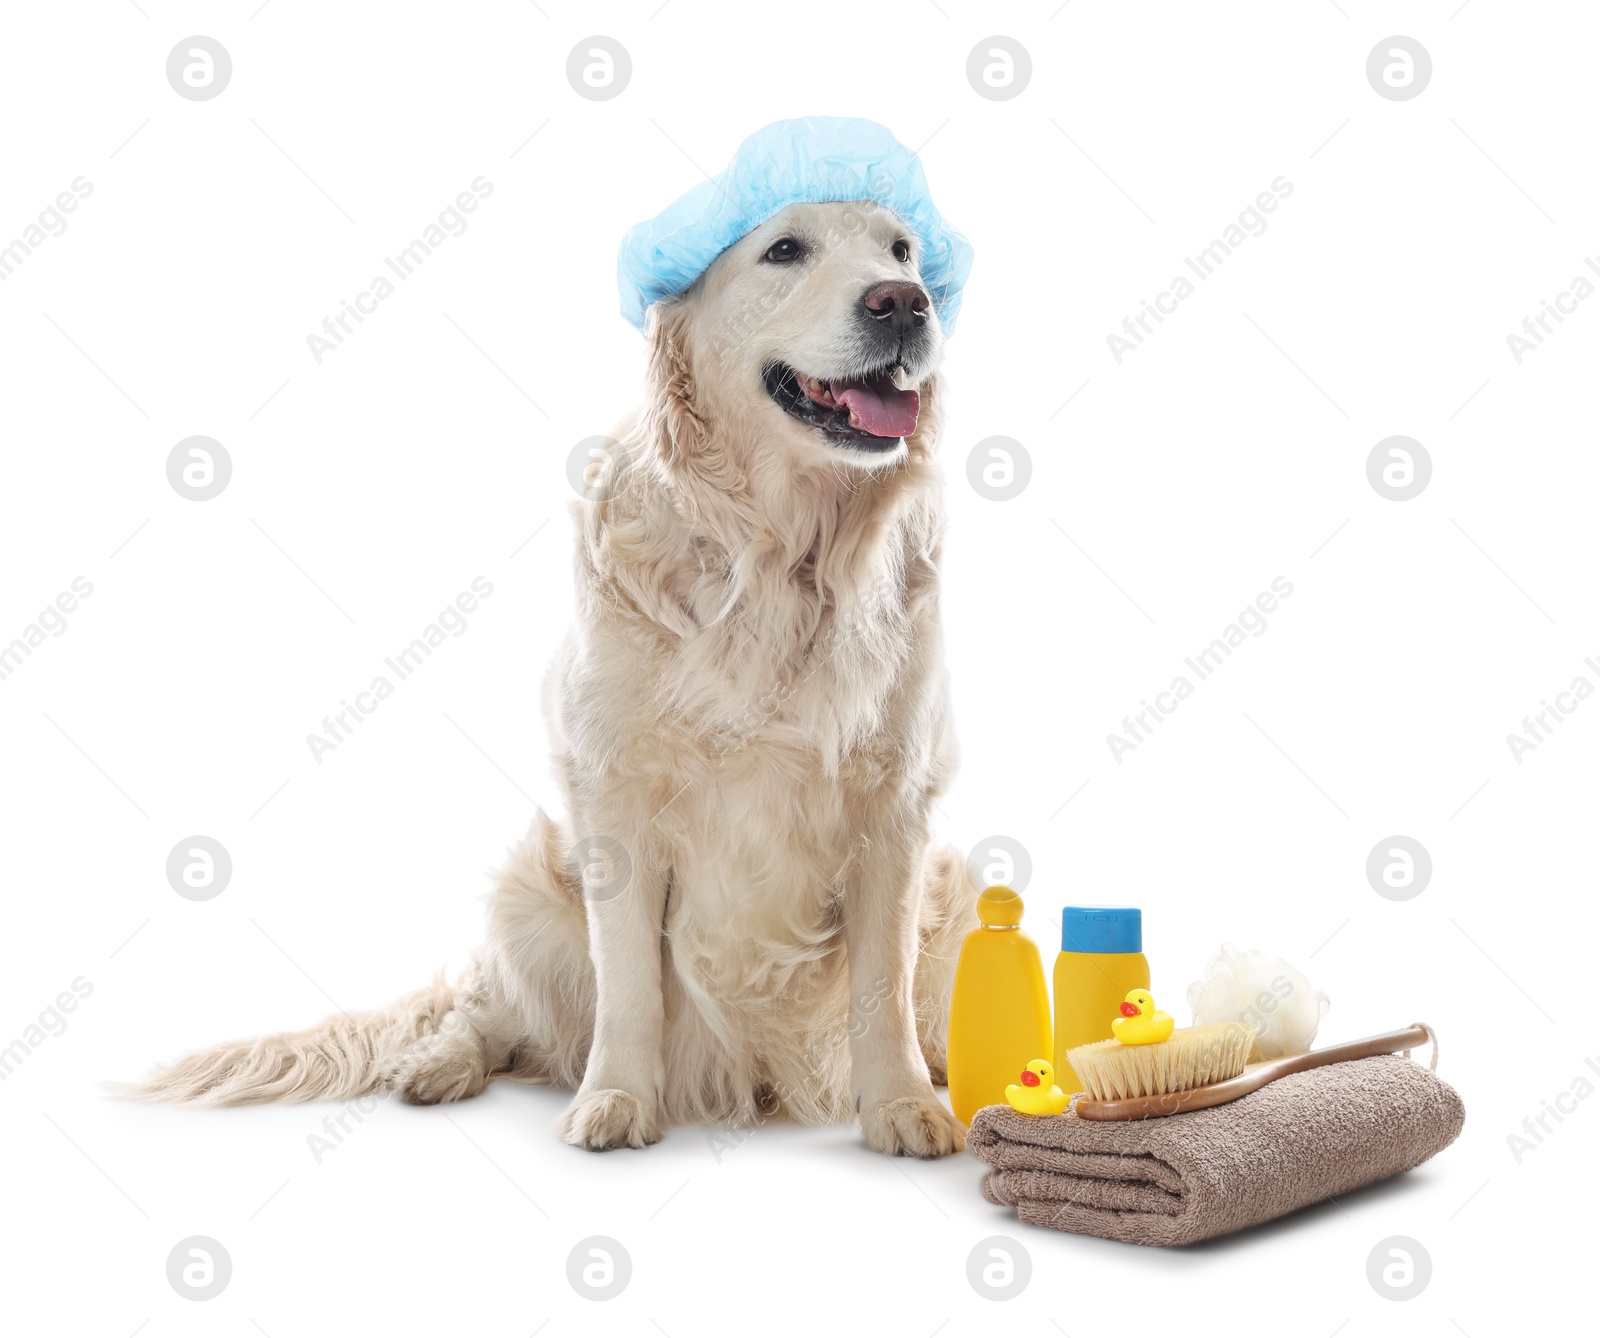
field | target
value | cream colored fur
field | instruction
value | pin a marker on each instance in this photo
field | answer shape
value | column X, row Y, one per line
column 751, row 707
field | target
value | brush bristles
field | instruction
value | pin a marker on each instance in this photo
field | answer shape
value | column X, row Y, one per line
column 1190, row 1057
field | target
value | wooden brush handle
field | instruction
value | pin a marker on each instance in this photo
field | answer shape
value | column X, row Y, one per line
column 1255, row 1076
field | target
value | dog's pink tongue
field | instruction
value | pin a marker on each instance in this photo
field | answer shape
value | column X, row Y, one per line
column 879, row 407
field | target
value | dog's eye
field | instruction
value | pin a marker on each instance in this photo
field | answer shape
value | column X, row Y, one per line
column 901, row 250
column 784, row 251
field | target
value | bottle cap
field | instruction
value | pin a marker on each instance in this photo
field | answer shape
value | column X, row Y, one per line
column 1000, row 908
column 1101, row 929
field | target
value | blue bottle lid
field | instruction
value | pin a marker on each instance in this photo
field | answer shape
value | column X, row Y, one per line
column 1101, row 929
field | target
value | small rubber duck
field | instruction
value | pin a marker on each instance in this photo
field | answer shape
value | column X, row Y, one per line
column 1141, row 1023
column 1037, row 1093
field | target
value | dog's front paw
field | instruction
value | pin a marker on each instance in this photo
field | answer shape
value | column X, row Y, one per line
column 607, row 1118
column 912, row 1126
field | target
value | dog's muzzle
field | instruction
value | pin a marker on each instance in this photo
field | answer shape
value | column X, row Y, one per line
column 896, row 333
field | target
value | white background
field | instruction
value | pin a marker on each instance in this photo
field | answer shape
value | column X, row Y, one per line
column 427, row 450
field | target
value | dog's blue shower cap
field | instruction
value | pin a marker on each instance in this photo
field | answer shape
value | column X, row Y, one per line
column 809, row 160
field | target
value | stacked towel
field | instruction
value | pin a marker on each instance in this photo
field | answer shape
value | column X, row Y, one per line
column 1183, row 1178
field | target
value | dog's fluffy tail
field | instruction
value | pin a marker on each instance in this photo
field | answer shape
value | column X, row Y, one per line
column 345, row 1056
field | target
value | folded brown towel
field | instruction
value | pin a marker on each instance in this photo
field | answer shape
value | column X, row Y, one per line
column 1183, row 1178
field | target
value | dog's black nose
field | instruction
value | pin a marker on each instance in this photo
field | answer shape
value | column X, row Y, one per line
column 900, row 306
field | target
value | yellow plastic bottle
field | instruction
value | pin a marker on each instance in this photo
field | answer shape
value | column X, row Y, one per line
column 999, row 1010
column 1101, row 959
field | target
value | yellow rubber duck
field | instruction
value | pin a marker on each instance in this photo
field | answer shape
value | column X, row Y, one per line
column 1141, row 1023
column 1037, row 1094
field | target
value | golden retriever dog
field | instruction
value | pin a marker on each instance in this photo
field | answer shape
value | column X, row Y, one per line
column 745, row 917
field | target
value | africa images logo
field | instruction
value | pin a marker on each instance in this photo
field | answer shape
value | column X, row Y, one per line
column 1251, row 222
column 451, row 222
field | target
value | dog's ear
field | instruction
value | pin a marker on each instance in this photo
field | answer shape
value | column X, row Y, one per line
column 676, row 427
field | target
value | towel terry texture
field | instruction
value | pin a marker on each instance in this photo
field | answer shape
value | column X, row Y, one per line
column 1185, row 1178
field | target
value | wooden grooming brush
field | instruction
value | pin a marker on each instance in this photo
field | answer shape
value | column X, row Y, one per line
column 1199, row 1067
